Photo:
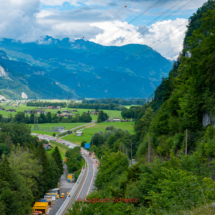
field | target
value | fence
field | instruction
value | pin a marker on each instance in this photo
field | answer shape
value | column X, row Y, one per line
column 71, row 197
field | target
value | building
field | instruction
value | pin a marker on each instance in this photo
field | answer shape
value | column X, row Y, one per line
column 1, row 108
column 41, row 111
column 116, row 119
column 93, row 112
column 50, row 107
column 17, row 106
column 47, row 146
column 27, row 111
column 11, row 110
column 58, row 129
column 125, row 120
column 74, row 110
column 58, row 107
column 79, row 133
column 67, row 112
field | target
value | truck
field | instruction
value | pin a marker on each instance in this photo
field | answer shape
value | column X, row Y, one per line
column 37, row 213
column 41, row 207
column 94, row 156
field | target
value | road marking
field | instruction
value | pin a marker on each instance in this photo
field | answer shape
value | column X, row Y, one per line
column 90, row 182
column 84, row 181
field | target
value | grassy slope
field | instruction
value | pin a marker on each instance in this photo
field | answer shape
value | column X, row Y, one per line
column 61, row 147
column 88, row 132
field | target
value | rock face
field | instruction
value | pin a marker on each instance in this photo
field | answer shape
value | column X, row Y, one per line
column 207, row 120
column 24, row 95
column 2, row 72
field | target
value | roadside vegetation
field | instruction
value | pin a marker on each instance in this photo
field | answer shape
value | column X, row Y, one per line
column 169, row 181
column 26, row 170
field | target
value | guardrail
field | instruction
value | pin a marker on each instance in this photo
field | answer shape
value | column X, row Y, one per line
column 71, row 197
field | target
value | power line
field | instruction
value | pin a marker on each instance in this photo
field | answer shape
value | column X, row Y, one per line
column 100, row 56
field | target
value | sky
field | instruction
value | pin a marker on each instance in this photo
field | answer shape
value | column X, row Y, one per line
column 160, row 24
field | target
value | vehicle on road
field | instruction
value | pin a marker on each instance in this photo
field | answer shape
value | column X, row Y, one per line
column 94, row 156
column 62, row 195
column 67, row 193
column 82, row 153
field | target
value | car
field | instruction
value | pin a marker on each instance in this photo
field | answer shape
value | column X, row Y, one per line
column 82, row 153
column 62, row 195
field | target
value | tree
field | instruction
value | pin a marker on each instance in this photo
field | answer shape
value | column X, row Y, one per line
column 56, row 155
column 102, row 116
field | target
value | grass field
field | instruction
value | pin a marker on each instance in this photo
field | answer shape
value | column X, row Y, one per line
column 46, row 126
column 22, row 108
column 88, row 132
column 61, row 147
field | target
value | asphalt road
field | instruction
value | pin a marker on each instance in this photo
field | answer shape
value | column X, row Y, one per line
column 88, row 184
column 64, row 188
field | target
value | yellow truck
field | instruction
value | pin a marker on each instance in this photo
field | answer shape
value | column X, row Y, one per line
column 94, row 156
column 41, row 206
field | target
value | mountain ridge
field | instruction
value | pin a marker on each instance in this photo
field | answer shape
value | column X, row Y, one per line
column 82, row 68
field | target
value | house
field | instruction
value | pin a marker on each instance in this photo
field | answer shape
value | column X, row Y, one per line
column 74, row 110
column 93, row 112
column 50, row 107
column 47, row 146
column 1, row 108
column 67, row 112
column 27, row 111
column 108, row 120
column 41, row 111
column 125, row 120
column 58, row 107
column 79, row 133
column 116, row 119
column 11, row 110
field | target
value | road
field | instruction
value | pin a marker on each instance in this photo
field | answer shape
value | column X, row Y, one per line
column 88, row 182
column 65, row 187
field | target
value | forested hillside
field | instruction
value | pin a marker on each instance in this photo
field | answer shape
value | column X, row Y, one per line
column 53, row 68
column 26, row 170
column 170, row 182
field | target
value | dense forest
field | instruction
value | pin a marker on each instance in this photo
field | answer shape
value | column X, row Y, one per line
column 97, row 106
column 26, row 170
column 46, row 104
column 115, row 101
column 21, row 117
column 169, row 181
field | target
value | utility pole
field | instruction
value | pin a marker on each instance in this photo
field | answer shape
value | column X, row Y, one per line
column 149, row 150
column 186, row 144
column 68, row 102
column 36, row 122
column 131, row 152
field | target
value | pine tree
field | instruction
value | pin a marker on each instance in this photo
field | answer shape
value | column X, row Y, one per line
column 56, row 155
column 45, row 181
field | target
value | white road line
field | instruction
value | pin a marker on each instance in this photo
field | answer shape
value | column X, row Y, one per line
column 84, row 181
column 91, row 181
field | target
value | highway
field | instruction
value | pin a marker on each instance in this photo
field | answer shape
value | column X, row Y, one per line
column 87, row 184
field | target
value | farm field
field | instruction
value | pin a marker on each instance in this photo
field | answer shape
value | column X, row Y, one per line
column 22, row 108
column 88, row 132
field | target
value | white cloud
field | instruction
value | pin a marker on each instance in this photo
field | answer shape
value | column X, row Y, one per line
column 24, row 20
column 164, row 37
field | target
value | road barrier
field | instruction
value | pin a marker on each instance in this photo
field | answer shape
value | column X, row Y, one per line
column 72, row 194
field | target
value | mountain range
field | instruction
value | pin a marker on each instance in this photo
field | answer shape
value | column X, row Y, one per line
column 53, row 68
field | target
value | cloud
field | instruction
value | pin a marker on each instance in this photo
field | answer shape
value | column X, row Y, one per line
column 165, row 37
column 96, row 20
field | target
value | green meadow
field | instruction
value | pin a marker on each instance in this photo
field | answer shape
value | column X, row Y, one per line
column 88, row 132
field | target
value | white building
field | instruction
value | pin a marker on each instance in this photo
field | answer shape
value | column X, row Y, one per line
column 79, row 133
column 117, row 119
